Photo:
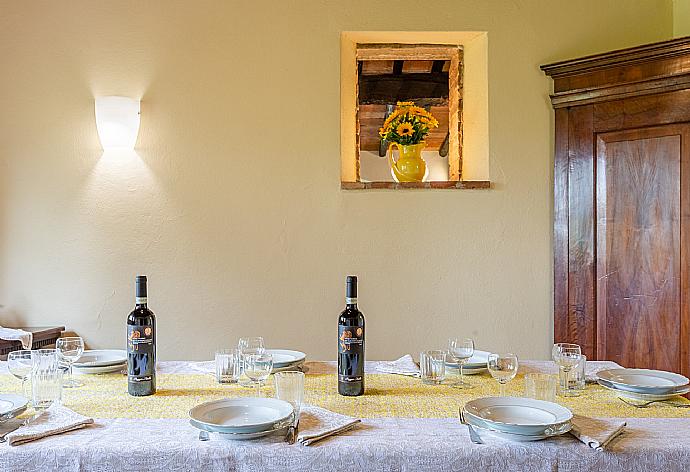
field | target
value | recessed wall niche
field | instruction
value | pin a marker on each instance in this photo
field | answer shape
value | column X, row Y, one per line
column 403, row 110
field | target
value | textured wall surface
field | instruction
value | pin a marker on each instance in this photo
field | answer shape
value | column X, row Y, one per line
column 232, row 203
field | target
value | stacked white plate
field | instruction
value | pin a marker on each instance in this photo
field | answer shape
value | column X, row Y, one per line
column 242, row 418
column 517, row 419
column 101, row 361
column 285, row 359
column 644, row 384
column 475, row 365
column 11, row 406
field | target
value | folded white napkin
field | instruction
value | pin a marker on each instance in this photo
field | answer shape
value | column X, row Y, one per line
column 597, row 433
column 55, row 420
column 592, row 368
column 403, row 366
column 317, row 423
column 11, row 334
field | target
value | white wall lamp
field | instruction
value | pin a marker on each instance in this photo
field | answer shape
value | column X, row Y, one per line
column 117, row 121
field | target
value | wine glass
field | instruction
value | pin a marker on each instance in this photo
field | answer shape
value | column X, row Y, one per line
column 258, row 367
column 19, row 365
column 70, row 349
column 503, row 368
column 567, row 356
column 461, row 350
column 247, row 346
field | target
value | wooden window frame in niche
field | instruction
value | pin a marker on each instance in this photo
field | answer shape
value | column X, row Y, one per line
column 420, row 52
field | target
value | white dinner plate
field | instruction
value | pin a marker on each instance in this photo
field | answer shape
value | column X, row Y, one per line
column 11, row 405
column 485, row 428
column 107, row 369
column 297, row 366
column 467, row 370
column 277, row 428
column 285, row 357
column 648, row 381
column 648, row 397
column 477, row 361
column 518, row 415
column 241, row 415
column 101, row 358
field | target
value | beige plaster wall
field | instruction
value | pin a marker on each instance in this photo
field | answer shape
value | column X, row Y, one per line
column 232, row 202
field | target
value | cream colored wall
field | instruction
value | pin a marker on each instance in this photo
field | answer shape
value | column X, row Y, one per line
column 681, row 18
column 232, row 203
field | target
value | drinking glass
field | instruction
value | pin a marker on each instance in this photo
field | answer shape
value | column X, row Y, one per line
column 46, row 378
column 567, row 356
column 290, row 387
column 461, row 350
column 541, row 387
column 69, row 350
column 432, row 365
column 258, row 367
column 19, row 365
column 247, row 346
column 503, row 367
column 228, row 364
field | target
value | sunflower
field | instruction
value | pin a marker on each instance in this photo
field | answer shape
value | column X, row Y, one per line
column 405, row 129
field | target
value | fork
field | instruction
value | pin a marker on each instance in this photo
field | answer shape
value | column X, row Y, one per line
column 647, row 404
column 473, row 434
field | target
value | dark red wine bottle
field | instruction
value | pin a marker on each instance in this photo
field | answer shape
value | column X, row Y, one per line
column 141, row 344
column 351, row 344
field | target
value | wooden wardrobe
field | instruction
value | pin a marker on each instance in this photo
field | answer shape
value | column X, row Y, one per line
column 622, row 205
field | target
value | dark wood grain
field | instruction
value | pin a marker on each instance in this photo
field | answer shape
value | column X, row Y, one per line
column 622, row 205
column 560, row 228
column 638, row 247
column 581, row 310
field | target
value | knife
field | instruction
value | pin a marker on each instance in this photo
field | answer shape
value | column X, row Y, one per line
column 291, row 435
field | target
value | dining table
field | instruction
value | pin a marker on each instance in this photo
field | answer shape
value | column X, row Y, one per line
column 406, row 426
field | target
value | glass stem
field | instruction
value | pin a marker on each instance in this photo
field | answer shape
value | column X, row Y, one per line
column 24, row 379
column 502, row 389
column 70, row 374
column 258, row 388
column 462, row 378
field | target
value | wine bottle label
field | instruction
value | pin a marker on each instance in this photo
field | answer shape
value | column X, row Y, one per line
column 350, row 301
column 351, row 343
column 140, row 350
column 141, row 300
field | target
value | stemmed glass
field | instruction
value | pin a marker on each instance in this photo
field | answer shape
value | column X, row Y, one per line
column 258, row 367
column 503, row 367
column 247, row 346
column 69, row 350
column 567, row 356
column 19, row 365
column 461, row 350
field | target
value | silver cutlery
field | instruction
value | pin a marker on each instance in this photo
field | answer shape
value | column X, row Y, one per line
column 647, row 404
column 291, row 435
column 204, row 436
column 474, row 436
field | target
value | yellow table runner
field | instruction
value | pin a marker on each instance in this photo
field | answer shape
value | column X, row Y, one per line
column 105, row 396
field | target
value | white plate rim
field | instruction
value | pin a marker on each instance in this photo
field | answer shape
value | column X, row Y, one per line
column 105, row 369
column 472, row 408
column 643, row 396
column 119, row 360
column 298, row 356
column 679, row 380
column 18, row 402
column 241, row 402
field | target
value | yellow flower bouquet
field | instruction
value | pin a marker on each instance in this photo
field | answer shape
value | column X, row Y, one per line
column 408, row 124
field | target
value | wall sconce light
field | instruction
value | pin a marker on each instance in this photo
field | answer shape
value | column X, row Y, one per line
column 117, row 121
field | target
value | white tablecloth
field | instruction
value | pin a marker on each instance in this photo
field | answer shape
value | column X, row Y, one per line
column 389, row 444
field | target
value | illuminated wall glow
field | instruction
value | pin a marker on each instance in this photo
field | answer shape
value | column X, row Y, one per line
column 117, row 120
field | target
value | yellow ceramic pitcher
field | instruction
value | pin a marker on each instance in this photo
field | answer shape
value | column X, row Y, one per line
column 410, row 167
